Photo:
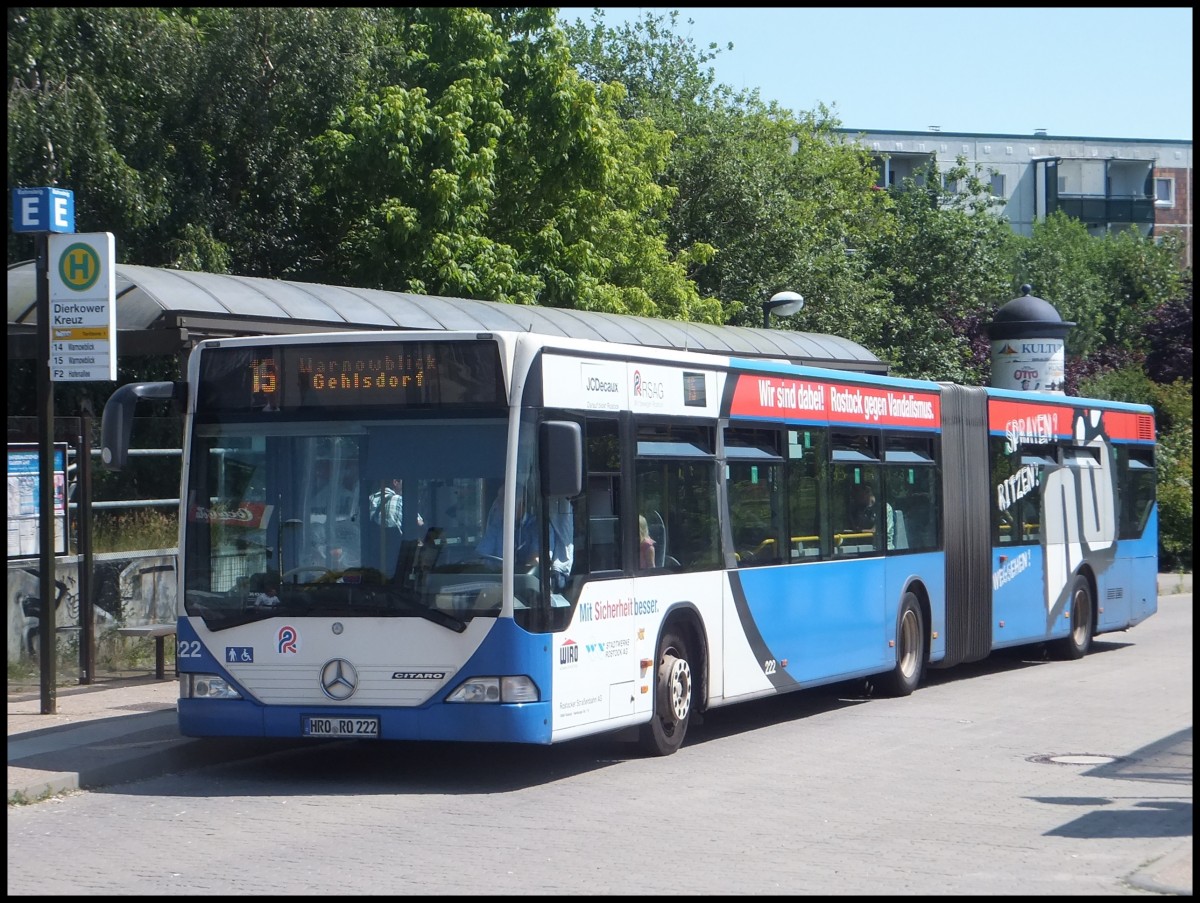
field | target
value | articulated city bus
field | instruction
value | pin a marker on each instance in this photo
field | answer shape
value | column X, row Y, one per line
column 510, row 537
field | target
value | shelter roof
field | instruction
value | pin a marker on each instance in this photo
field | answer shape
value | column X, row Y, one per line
column 166, row 311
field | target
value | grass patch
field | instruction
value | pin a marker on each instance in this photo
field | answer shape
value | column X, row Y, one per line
column 135, row 529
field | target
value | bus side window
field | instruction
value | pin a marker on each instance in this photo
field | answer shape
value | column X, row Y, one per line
column 602, row 540
column 755, row 495
column 808, row 521
column 675, row 475
column 604, row 535
column 858, row 517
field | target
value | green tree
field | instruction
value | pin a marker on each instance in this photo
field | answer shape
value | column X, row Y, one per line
column 90, row 92
column 945, row 265
column 267, row 81
column 1108, row 286
column 778, row 196
column 487, row 168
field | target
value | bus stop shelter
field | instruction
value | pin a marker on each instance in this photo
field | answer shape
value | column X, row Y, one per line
column 165, row 312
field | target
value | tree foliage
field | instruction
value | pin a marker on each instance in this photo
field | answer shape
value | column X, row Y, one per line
column 1169, row 334
column 777, row 196
column 488, row 168
column 943, row 262
column 1107, row 286
column 90, row 96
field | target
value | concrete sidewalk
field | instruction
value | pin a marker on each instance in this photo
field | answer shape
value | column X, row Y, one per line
column 100, row 733
column 122, row 730
column 106, row 733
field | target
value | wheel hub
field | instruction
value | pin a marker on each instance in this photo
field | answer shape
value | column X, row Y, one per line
column 677, row 687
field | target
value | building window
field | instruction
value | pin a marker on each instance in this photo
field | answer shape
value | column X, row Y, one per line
column 998, row 185
column 1164, row 192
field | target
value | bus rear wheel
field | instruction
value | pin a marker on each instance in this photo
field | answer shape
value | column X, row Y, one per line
column 1077, row 643
column 672, row 698
column 910, row 650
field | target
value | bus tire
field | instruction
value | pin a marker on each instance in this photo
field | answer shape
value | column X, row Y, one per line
column 672, row 698
column 1076, row 644
column 910, row 650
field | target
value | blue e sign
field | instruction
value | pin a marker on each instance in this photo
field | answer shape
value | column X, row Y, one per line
column 43, row 210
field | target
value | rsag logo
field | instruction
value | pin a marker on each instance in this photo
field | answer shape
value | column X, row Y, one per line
column 287, row 640
column 645, row 388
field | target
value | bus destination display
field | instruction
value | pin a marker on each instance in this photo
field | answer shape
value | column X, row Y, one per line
column 293, row 377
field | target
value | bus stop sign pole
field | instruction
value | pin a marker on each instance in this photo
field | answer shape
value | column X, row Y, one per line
column 47, row 628
column 41, row 211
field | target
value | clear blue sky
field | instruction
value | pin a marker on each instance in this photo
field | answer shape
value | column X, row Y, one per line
column 1088, row 72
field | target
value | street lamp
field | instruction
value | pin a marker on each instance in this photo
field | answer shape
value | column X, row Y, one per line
column 782, row 304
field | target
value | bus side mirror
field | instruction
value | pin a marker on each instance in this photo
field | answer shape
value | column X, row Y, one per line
column 561, row 458
column 116, row 424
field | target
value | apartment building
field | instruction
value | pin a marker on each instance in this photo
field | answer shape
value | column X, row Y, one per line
column 1109, row 184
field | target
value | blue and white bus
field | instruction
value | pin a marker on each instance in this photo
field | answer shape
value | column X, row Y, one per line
column 591, row 536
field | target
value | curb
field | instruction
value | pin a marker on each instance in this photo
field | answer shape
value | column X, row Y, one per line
column 26, row 785
column 1169, row 874
column 154, row 751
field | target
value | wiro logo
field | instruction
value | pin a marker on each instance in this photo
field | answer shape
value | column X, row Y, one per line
column 568, row 653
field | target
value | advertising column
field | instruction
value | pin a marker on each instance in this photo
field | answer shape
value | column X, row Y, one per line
column 1028, row 345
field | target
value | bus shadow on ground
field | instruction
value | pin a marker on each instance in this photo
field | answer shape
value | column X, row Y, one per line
column 727, row 721
column 391, row 767
column 1014, row 658
column 1123, row 811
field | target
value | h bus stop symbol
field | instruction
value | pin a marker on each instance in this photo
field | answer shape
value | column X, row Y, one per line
column 79, row 267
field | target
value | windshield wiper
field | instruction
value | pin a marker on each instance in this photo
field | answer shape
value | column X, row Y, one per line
column 314, row 605
column 436, row 615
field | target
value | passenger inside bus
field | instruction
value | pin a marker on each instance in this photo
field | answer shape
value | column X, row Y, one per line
column 562, row 542
column 526, row 551
column 268, row 597
column 332, row 511
column 387, row 505
column 491, row 544
column 645, row 544
column 863, row 513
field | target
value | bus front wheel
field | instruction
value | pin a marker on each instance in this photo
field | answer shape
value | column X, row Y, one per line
column 672, row 698
column 910, row 650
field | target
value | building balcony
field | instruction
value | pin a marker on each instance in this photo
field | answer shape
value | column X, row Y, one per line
column 1097, row 209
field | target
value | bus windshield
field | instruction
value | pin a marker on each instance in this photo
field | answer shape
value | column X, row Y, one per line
column 344, row 518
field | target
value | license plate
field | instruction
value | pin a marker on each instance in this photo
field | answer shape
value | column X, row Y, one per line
column 321, row 726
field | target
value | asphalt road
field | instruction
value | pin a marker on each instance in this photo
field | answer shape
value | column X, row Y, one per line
column 1019, row 775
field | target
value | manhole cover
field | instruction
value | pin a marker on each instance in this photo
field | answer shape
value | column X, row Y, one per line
column 1076, row 759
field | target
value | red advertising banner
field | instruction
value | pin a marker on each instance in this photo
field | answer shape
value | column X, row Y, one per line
column 758, row 395
column 1035, row 422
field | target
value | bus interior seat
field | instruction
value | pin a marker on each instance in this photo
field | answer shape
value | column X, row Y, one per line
column 899, row 530
column 658, row 532
column 599, row 498
column 405, row 561
column 603, row 544
column 917, row 524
